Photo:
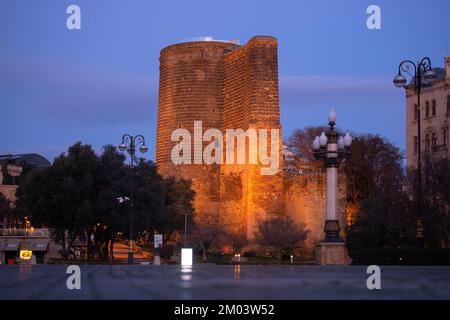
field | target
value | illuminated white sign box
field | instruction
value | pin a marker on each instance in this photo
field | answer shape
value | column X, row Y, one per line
column 186, row 257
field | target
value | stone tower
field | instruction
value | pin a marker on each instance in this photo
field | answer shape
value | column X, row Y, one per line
column 226, row 86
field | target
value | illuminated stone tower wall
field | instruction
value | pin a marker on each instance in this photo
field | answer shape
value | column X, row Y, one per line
column 251, row 100
column 190, row 89
column 226, row 86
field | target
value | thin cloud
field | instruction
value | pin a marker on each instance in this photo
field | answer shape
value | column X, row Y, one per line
column 310, row 90
column 70, row 93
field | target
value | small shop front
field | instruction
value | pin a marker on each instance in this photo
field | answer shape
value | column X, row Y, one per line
column 14, row 251
column 9, row 251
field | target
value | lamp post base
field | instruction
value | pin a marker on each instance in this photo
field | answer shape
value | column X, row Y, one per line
column 130, row 257
column 332, row 250
column 332, row 253
column 332, row 231
column 420, row 242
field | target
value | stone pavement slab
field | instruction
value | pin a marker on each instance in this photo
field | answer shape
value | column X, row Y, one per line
column 208, row 281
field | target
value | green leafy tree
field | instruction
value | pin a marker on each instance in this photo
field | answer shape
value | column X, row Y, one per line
column 78, row 198
column 178, row 197
column 62, row 196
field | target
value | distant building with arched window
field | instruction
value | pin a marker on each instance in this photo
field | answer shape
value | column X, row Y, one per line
column 435, row 117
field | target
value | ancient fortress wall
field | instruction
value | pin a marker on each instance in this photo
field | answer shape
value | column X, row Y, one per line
column 228, row 86
column 190, row 89
column 251, row 100
column 305, row 201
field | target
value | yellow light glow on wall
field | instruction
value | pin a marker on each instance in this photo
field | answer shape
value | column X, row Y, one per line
column 26, row 254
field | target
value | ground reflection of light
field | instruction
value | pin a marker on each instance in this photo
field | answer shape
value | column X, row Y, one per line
column 25, row 272
column 237, row 271
column 186, row 276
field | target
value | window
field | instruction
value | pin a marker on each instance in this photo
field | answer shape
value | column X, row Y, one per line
column 433, row 140
column 416, row 112
column 415, row 144
column 427, row 109
column 444, row 136
column 427, row 142
column 448, row 105
column 433, row 108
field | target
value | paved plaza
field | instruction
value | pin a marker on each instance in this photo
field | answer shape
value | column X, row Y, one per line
column 222, row 282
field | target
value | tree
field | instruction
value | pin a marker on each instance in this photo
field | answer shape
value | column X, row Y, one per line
column 389, row 217
column 178, row 197
column 373, row 168
column 435, row 200
column 282, row 234
column 62, row 196
column 205, row 236
column 5, row 209
column 374, row 165
column 237, row 239
column 385, row 220
column 380, row 212
column 300, row 142
column 78, row 198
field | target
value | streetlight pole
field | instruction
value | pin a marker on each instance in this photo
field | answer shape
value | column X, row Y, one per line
column 332, row 150
column 185, row 213
column 422, row 74
column 129, row 143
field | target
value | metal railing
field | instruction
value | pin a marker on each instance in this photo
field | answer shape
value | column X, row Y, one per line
column 21, row 232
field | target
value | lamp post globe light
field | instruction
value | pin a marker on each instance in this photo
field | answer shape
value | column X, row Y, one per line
column 130, row 143
column 422, row 77
column 332, row 149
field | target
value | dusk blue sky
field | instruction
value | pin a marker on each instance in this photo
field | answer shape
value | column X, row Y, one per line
column 59, row 86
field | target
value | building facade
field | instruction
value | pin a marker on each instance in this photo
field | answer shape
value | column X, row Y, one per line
column 435, row 114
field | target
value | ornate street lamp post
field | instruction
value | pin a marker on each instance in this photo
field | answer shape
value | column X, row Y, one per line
column 423, row 74
column 332, row 149
column 129, row 143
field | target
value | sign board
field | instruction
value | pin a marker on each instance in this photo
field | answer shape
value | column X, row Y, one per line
column 158, row 240
column 25, row 254
column 14, row 170
column 186, row 257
